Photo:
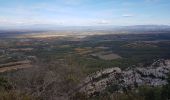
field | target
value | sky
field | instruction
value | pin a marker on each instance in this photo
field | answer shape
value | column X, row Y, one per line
column 84, row 12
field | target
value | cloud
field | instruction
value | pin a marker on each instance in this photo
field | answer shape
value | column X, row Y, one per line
column 103, row 22
column 19, row 21
column 127, row 15
column 152, row 0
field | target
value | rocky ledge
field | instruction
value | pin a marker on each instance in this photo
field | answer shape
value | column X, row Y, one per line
column 154, row 75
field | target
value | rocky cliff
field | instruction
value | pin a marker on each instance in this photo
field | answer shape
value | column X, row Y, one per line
column 120, row 80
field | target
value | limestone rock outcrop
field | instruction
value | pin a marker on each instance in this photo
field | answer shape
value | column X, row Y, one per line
column 154, row 75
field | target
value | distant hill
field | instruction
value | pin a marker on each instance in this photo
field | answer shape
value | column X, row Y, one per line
column 136, row 29
column 47, row 27
column 146, row 28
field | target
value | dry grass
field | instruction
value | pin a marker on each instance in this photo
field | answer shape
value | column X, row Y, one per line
column 14, row 95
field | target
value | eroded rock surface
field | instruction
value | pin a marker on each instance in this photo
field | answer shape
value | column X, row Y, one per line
column 154, row 75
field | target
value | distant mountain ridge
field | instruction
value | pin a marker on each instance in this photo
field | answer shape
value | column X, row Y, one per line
column 136, row 29
column 40, row 27
column 147, row 27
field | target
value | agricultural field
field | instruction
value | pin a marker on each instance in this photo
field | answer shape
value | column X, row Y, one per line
column 37, row 65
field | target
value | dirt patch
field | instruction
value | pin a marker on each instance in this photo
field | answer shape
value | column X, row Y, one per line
column 83, row 51
column 15, row 65
column 106, row 55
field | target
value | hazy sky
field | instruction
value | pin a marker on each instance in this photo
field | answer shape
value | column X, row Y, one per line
column 84, row 12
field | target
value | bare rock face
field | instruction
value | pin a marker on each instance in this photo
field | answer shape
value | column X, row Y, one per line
column 154, row 75
column 99, row 81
